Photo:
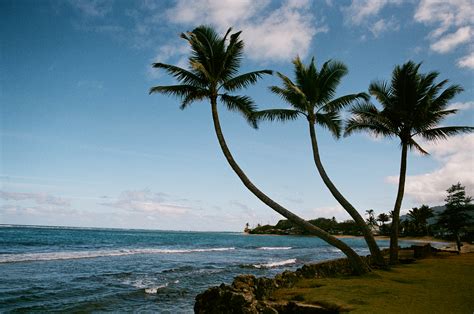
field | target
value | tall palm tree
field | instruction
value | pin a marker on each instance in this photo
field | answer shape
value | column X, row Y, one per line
column 213, row 74
column 413, row 105
column 312, row 97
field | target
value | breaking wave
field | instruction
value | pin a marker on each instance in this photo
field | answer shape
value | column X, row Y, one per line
column 276, row 264
column 27, row 257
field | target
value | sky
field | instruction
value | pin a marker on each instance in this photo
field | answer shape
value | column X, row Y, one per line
column 83, row 144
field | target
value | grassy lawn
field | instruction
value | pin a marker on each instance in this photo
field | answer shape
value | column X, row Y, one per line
column 444, row 284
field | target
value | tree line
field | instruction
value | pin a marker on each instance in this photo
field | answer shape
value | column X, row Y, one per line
column 411, row 105
column 454, row 221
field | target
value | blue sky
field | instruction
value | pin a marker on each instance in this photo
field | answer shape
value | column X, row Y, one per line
column 83, row 144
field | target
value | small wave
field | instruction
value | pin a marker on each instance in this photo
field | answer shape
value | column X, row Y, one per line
column 271, row 248
column 154, row 290
column 276, row 264
column 11, row 258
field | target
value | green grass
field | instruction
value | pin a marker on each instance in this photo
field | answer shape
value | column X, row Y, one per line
column 444, row 284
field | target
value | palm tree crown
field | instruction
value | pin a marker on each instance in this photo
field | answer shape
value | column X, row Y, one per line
column 311, row 95
column 412, row 105
column 213, row 73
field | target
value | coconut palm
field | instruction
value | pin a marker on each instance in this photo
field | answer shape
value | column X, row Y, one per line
column 413, row 105
column 419, row 217
column 213, row 75
column 371, row 221
column 312, row 96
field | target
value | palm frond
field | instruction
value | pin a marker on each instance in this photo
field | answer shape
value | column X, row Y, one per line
column 244, row 80
column 232, row 57
column 281, row 115
column 330, row 76
column 412, row 144
column 381, row 91
column 292, row 98
column 241, row 104
column 290, row 86
column 331, row 121
column 174, row 90
column 443, row 99
column 442, row 133
column 182, row 75
column 343, row 101
column 366, row 117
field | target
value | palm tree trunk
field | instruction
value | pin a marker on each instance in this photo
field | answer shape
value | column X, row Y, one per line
column 369, row 237
column 357, row 263
column 398, row 205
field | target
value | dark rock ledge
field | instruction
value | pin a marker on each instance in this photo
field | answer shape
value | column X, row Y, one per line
column 250, row 295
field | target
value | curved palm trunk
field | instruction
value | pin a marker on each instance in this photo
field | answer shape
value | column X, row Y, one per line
column 369, row 238
column 357, row 263
column 398, row 205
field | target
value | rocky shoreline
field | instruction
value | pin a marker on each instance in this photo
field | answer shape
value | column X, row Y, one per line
column 250, row 295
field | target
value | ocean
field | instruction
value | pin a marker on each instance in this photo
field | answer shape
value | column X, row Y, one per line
column 47, row 269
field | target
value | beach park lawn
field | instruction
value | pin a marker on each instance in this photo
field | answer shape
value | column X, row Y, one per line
column 442, row 284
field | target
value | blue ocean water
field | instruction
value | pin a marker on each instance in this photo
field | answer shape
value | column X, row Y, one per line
column 96, row 270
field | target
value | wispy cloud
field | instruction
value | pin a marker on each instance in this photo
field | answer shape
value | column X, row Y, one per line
column 359, row 12
column 461, row 105
column 453, row 26
column 146, row 201
column 38, row 198
column 455, row 157
column 93, row 8
column 366, row 15
column 383, row 26
column 467, row 61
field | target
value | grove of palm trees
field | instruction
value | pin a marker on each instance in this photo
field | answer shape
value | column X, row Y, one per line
column 411, row 106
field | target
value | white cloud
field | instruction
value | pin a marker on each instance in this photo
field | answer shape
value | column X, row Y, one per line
column 384, row 25
column 359, row 11
column 328, row 212
column 146, row 201
column 453, row 24
column 456, row 158
column 467, row 61
column 365, row 13
column 276, row 35
column 38, row 198
column 449, row 42
column 461, row 105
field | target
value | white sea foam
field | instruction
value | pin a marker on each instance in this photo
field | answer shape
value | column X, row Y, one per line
column 271, row 248
column 10, row 258
column 276, row 264
column 154, row 290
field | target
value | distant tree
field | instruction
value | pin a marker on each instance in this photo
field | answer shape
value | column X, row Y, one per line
column 371, row 221
column 383, row 218
column 456, row 216
column 419, row 218
column 413, row 105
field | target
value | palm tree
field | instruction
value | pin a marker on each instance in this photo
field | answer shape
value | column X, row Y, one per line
column 312, row 97
column 213, row 75
column 371, row 221
column 419, row 217
column 412, row 107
